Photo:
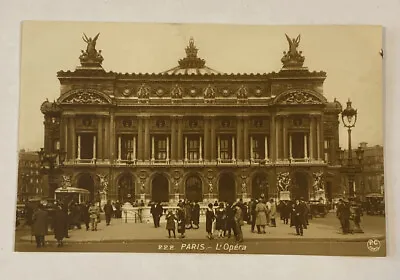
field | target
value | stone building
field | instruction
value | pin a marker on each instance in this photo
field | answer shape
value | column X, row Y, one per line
column 193, row 132
column 30, row 183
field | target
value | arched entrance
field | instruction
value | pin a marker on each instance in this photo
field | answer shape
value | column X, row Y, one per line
column 193, row 188
column 126, row 188
column 300, row 185
column 227, row 188
column 159, row 188
column 85, row 181
column 259, row 185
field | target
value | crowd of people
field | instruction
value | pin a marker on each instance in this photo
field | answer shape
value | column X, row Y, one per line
column 222, row 219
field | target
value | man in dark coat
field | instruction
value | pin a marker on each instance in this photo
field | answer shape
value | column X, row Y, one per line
column 159, row 213
column 181, row 220
column 299, row 217
column 196, row 215
column 60, row 226
column 153, row 212
column 108, row 211
column 343, row 213
column 85, row 214
column 39, row 226
column 306, row 212
column 230, row 221
column 253, row 213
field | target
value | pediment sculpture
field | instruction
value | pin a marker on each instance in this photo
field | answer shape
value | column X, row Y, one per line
column 85, row 96
column 299, row 97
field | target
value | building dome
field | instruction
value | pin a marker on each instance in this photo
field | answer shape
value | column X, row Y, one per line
column 191, row 64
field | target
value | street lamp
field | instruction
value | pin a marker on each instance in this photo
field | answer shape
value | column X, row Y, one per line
column 49, row 162
column 349, row 119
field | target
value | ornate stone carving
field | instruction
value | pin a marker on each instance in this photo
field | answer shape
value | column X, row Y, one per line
column 299, row 97
column 242, row 92
column 284, row 181
column 258, row 92
column 209, row 94
column 225, row 92
column 318, row 184
column 86, row 96
column 103, row 181
column 176, row 92
column 127, row 92
column 66, row 181
column 160, row 92
column 143, row 93
column 193, row 92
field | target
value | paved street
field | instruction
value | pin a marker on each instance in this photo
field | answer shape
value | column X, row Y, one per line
column 322, row 237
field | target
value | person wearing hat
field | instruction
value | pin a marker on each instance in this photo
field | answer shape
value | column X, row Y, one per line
column 238, row 218
column 298, row 216
column 210, row 217
column 39, row 226
column 181, row 220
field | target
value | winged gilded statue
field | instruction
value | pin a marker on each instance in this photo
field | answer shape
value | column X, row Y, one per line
column 293, row 45
column 91, row 44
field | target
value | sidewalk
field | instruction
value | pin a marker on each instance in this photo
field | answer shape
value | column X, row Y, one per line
column 119, row 232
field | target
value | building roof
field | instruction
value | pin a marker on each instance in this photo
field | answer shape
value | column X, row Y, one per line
column 191, row 64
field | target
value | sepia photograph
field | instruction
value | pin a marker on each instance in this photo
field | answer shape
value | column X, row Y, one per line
column 201, row 138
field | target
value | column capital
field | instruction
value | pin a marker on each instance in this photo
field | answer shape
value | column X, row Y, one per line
column 143, row 116
column 177, row 117
column 209, row 117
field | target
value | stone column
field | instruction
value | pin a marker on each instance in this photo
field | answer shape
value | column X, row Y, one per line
column 73, row 138
column 65, row 138
column 285, row 142
column 246, row 149
column 207, row 139
column 233, row 148
column 272, row 136
column 112, row 138
column 152, row 148
column 180, row 139
column 140, row 155
column 319, row 132
column 94, row 147
column 167, row 149
column 311, row 138
column 277, row 138
column 134, row 148
column 100, row 137
column 290, row 147
column 119, row 147
column 200, row 149
column 266, row 148
column 305, row 146
column 106, row 144
column 186, row 149
column 239, row 138
column 219, row 149
column 146, row 138
column 213, row 139
column 78, row 157
column 173, row 138
column 251, row 149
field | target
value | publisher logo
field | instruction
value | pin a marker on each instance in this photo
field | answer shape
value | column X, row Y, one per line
column 373, row 245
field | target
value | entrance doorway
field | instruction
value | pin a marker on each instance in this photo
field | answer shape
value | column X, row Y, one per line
column 86, row 181
column 193, row 189
column 126, row 188
column 259, row 186
column 226, row 188
column 159, row 188
column 300, row 186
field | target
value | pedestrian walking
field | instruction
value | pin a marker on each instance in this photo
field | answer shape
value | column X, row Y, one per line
column 253, row 213
column 181, row 220
column 94, row 213
column 60, row 226
column 85, row 216
column 39, row 225
column 171, row 218
column 220, row 217
column 229, row 221
column 108, row 211
column 196, row 215
column 343, row 213
column 159, row 213
column 238, row 218
column 299, row 217
column 261, row 218
column 210, row 217
column 272, row 212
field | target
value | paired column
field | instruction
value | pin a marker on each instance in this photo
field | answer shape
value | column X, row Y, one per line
column 94, row 147
column 173, row 138
column 277, row 138
column 207, row 140
column 233, row 148
column 119, row 147
column 305, row 146
column 100, row 137
column 272, row 135
column 106, row 149
column 285, row 140
column 78, row 157
column 134, row 148
column 186, row 149
column 251, row 149
column 266, row 148
column 311, row 138
column 140, row 154
column 146, row 155
column 219, row 149
column 319, row 130
column 200, row 149
column 246, row 149
column 167, row 158
column 65, row 138
column 152, row 148
column 180, row 137
column 73, row 138
column 239, row 139
column 290, row 147
column 213, row 139
column 112, row 138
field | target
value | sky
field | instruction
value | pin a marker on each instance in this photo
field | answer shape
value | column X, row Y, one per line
column 349, row 55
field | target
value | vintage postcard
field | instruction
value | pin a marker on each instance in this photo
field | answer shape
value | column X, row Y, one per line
column 184, row 138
